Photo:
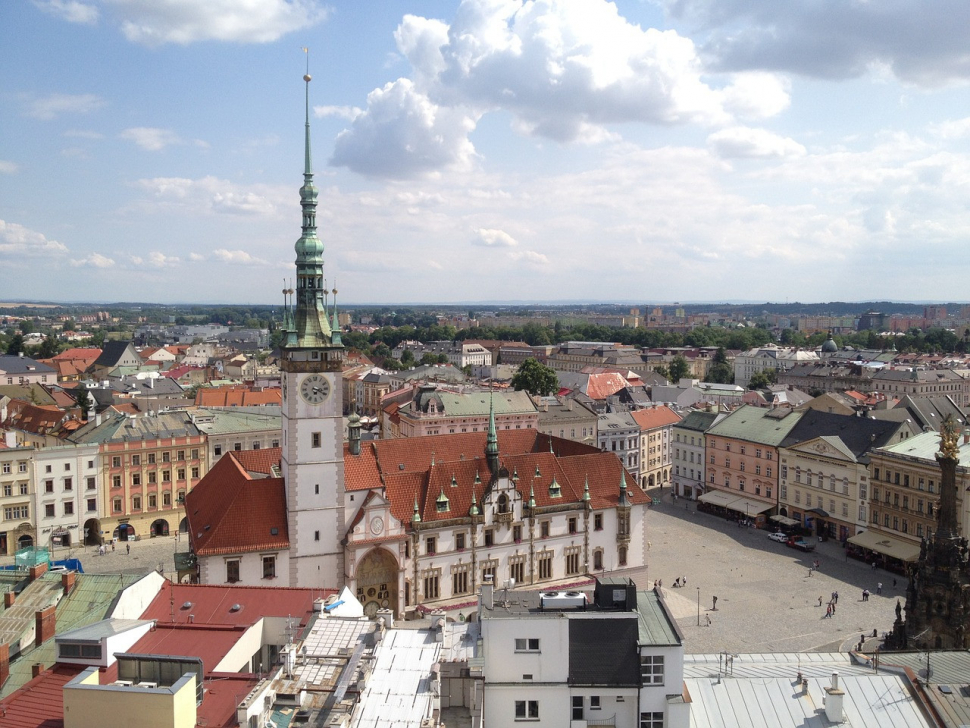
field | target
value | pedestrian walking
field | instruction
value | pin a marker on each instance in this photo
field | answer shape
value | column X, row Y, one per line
column 835, row 597
column 112, row 545
column 128, row 547
column 865, row 595
column 811, row 570
column 873, row 565
column 879, row 588
column 828, row 611
column 715, row 604
column 820, row 601
column 832, row 604
column 894, row 583
column 683, row 581
column 708, row 619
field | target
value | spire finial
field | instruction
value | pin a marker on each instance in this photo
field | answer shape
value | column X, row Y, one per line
column 308, row 165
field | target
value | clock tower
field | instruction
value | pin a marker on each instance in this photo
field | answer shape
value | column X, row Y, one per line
column 311, row 361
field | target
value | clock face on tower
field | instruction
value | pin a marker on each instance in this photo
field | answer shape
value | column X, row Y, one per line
column 315, row 389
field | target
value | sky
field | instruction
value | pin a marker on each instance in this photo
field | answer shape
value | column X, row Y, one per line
column 645, row 151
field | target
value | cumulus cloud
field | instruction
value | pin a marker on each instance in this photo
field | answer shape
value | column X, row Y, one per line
column 343, row 112
column 493, row 238
column 403, row 133
column 69, row 10
column 155, row 259
column 952, row 129
column 7, row 167
column 742, row 141
column 921, row 43
column 237, row 257
column 530, row 256
column 94, row 260
column 17, row 240
column 196, row 258
column 53, row 105
column 564, row 70
column 157, row 22
column 150, row 138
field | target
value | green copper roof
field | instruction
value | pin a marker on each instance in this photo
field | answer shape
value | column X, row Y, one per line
column 757, row 424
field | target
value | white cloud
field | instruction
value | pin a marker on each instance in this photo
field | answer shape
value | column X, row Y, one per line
column 7, row 167
column 53, row 105
column 94, row 260
column 742, row 141
column 69, row 10
column 155, row 260
column 150, row 138
column 530, row 256
column 952, row 129
column 17, row 240
column 156, row 22
column 196, row 258
column 237, row 257
column 493, row 238
column 403, row 134
column 83, row 134
column 564, row 70
column 343, row 112
column 210, row 194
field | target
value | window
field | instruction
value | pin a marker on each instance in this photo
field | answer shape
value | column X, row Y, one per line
column 598, row 560
column 544, row 529
column 49, row 510
column 460, row 541
column 527, row 644
column 166, row 457
column 195, row 471
column 232, row 571
column 152, row 500
column 768, row 472
column 315, row 439
column 136, row 459
column 622, row 555
column 572, row 525
column 598, row 522
column 217, row 450
column 69, row 508
column 577, row 707
column 116, row 505
column 92, row 505
column 572, row 561
column 48, row 486
column 23, row 489
column 652, row 669
column 459, row 579
column 431, row 585
column 6, row 468
column 181, row 473
column 151, row 458
column 136, row 503
column 545, row 565
column 166, row 476
column 152, row 477
column 269, row 567
column 195, row 451
column 180, row 455
column 7, row 489
column 594, row 702
column 517, row 533
column 136, row 478
column 116, row 461
column 517, row 568
column 652, row 720
column 527, row 710
column 431, row 544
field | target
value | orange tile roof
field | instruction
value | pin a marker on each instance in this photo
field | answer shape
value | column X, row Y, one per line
column 654, row 417
column 601, row 386
column 229, row 512
column 259, row 461
column 212, row 604
column 40, row 702
column 237, row 397
column 85, row 354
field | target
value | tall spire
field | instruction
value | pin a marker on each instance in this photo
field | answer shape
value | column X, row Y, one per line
column 491, row 443
column 311, row 325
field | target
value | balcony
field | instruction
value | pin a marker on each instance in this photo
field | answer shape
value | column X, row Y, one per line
column 504, row 517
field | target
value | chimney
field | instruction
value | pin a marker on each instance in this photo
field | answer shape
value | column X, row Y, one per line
column 4, row 663
column 488, row 591
column 36, row 669
column 833, row 700
column 11, row 439
column 38, row 571
column 67, row 581
column 46, row 621
column 8, row 600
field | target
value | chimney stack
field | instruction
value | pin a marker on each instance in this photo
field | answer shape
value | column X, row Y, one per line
column 46, row 624
column 38, row 571
column 8, row 600
column 67, row 581
column 833, row 700
column 36, row 669
column 4, row 663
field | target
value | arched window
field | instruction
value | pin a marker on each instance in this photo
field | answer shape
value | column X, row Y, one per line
column 503, row 503
column 622, row 555
column 598, row 560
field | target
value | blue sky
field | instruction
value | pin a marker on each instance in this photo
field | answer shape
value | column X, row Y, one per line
column 674, row 150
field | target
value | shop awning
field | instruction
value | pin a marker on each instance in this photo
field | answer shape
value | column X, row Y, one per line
column 819, row 512
column 784, row 520
column 748, row 506
column 886, row 545
column 717, row 498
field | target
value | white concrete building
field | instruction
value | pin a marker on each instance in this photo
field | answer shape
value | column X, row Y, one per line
column 67, row 501
column 779, row 358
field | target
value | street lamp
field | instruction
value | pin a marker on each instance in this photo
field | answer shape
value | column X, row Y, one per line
column 698, row 606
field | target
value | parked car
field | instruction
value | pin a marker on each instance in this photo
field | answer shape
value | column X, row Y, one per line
column 800, row 544
column 778, row 536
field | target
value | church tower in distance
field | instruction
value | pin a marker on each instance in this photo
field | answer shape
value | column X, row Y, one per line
column 311, row 361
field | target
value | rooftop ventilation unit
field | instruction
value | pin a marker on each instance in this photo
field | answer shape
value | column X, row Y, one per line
column 562, row 600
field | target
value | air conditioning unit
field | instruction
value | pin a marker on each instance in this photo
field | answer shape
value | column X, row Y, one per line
column 123, row 683
column 148, row 684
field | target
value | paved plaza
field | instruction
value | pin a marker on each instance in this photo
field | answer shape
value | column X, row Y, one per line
column 766, row 600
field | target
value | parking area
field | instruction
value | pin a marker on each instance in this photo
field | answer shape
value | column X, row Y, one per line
column 767, row 597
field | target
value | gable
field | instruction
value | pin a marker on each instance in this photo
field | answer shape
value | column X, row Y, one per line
column 827, row 446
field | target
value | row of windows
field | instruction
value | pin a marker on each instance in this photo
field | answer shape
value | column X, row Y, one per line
column 68, row 508
column 150, row 458
column 232, row 569
column 572, row 527
column 6, row 468
column 897, row 524
column 238, row 446
column 136, row 501
column 152, row 477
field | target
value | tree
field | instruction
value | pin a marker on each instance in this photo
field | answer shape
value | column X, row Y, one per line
column 678, row 369
column 407, row 358
column 16, row 345
column 48, row 348
column 69, row 325
column 721, row 371
column 535, row 378
column 763, row 379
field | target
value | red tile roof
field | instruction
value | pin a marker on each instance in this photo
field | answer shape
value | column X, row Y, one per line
column 31, row 418
column 654, row 417
column 190, row 640
column 260, row 462
column 234, row 396
column 78, row 353
column 212, row 604
column 601, row 386
column 39, row 703
column 229, row 512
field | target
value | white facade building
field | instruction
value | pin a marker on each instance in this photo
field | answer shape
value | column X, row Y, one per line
column 67, row 502
column 779, row 358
